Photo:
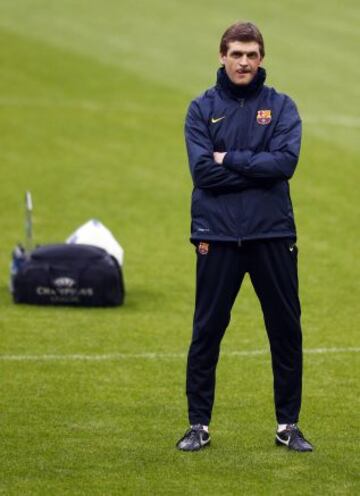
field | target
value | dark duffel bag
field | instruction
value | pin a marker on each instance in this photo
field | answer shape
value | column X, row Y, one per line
column 69, row 274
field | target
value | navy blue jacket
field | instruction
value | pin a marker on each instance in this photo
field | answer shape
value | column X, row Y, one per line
column 247, row 197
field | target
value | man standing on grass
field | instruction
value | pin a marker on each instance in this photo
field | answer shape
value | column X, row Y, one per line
column 243, row 142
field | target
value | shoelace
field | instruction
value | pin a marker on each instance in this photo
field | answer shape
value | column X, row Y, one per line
column 191, row 433
column 294, row 431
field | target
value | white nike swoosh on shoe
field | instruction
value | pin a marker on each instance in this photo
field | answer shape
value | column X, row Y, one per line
column 204, row 441
column 283, row 441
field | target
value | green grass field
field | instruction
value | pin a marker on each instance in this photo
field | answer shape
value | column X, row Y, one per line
column 92, row 102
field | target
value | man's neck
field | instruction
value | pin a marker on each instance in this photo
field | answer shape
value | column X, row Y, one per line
column 241, row 91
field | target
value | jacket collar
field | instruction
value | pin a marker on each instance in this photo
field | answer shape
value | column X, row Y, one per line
column 237, row 91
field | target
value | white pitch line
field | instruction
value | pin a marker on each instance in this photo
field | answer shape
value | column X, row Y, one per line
column 153, row 356
column 91, row 105
column 332, row 120
column 352, row 121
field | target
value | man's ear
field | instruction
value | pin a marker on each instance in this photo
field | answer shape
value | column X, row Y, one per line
column 222, row 59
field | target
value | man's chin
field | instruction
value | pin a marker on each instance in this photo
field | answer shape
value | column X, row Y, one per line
column 243, row 81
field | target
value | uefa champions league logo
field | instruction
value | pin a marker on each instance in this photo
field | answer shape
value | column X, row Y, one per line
column 64, row 282
column 64, row 289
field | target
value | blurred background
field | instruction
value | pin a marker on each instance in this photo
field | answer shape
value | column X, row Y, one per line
column 92, row 103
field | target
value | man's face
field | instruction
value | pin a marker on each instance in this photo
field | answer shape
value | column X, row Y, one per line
column 241, row 61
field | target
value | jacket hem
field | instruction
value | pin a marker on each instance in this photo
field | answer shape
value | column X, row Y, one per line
column 194, row 238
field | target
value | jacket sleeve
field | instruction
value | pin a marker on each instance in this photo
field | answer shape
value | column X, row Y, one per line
column 206, row 173
column 284, row 149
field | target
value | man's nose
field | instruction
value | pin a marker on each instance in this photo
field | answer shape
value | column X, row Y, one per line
column 244, row 60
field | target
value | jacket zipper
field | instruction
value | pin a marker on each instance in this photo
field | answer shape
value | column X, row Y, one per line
column 241, row 103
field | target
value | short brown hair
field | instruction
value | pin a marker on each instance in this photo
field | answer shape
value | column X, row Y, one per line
column 242, row 31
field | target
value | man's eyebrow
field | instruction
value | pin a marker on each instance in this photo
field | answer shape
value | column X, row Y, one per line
column 242, row 52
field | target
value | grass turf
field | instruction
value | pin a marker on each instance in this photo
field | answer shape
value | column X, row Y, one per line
column 92, row 99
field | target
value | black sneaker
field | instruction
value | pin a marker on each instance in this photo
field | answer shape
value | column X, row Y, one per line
column 293, row 438
column 194, row 439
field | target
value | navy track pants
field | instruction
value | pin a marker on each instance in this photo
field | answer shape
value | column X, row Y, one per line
column 272, row 266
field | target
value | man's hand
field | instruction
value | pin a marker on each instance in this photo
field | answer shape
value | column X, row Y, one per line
column 219, row 157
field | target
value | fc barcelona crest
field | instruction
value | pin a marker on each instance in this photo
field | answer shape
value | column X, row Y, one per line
column 263, row 117
column 203, row 248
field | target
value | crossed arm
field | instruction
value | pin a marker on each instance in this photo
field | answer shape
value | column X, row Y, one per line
column 236, row 170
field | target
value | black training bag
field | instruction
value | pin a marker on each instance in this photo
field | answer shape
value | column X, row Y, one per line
column 69, row 274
